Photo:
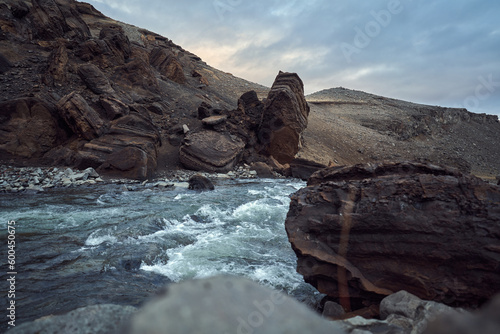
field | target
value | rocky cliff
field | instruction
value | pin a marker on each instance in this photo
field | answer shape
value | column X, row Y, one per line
column 83, row 90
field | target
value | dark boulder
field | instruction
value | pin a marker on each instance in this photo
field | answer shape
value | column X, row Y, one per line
column 5, row 64
column 363, row 232
column 58, row 66
column 200, row 182
column 211, row 151
column 251, row 106
column 263, row 170
column 284, row 118
column 130, row 162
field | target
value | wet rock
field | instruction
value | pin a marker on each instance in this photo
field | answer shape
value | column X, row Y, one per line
column 80, row 117
column 227, row 305
column 211, row 151
column 284, row 118
column 95, row 319
column 366, row 231
column 95, row 80
column 200, row 182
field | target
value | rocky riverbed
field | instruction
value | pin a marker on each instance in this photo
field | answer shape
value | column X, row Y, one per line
column 39, row 179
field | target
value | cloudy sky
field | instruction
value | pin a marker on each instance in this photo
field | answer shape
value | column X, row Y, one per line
column 444, row 52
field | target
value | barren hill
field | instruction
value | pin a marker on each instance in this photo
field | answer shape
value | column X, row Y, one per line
column 347, row 127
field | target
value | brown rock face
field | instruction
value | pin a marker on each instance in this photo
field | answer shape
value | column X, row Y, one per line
column 284, row 118
column 95, row 80
column 167, row 64
column 80, row 117
column 366, row 231
column 211, row 151
column 28, row 128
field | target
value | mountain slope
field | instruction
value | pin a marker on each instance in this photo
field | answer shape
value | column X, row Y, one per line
column 347, row 127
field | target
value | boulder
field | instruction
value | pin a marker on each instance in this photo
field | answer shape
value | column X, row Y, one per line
column 80, row 117
column 211, row 151
column 227, row 305
column 94, row 319
column 130, row 162
column 113, row 107
column 117, row 42
column 200, row 182
column 263, row 170
column 95, row 80
column 366, row 231
column 5, row 64
column 284, row 118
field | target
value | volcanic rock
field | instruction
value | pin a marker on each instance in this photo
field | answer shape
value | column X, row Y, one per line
column 214, row 120
column 167, row 64
column 303, row 168
column 284, row 118
column 366, row 231
column 29, row 127
column 95, row 80
column 211, row 151
column 80, row 117
column 200, row 182
column 58, row 66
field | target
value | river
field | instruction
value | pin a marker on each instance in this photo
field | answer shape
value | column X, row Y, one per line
column 101, row 244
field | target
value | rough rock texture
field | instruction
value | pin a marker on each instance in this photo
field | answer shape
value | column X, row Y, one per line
column 95, row 319
column 284, row 118
column 200, row 182
column 303, row 168
column 227, row 305
column 95, row 80
column 211, row 151
column 80, row 117
column 365, row 231
column 29, row 127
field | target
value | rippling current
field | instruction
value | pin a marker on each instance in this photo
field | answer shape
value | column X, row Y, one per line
column 78, row 247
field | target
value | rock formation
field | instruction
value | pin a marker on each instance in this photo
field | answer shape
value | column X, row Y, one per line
column 365, row 231
column 284, row 118
column 211, row 151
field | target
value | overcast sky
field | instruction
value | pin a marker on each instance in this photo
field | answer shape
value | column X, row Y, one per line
column 441, row 52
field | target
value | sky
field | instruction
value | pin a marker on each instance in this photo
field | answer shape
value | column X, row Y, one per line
column 441, row 52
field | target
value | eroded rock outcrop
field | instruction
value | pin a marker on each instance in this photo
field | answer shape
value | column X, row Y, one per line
column 363, row 232
column 284, row 118
column 80, row 117
column 211, row 151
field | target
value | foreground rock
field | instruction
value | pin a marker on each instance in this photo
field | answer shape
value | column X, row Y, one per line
column 200, row 182
column 95, row 319
column 227, row 305
column 366, row 231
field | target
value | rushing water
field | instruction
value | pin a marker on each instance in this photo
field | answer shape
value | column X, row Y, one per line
column 104, row 245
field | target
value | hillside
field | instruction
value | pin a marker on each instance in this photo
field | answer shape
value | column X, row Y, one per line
column 83, row 90
column 347, row 127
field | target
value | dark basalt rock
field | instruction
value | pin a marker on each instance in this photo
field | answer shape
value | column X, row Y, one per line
column 303, row 168
column 200, row 182
column 366, row 231
column 211, row 151
column 284, row 118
